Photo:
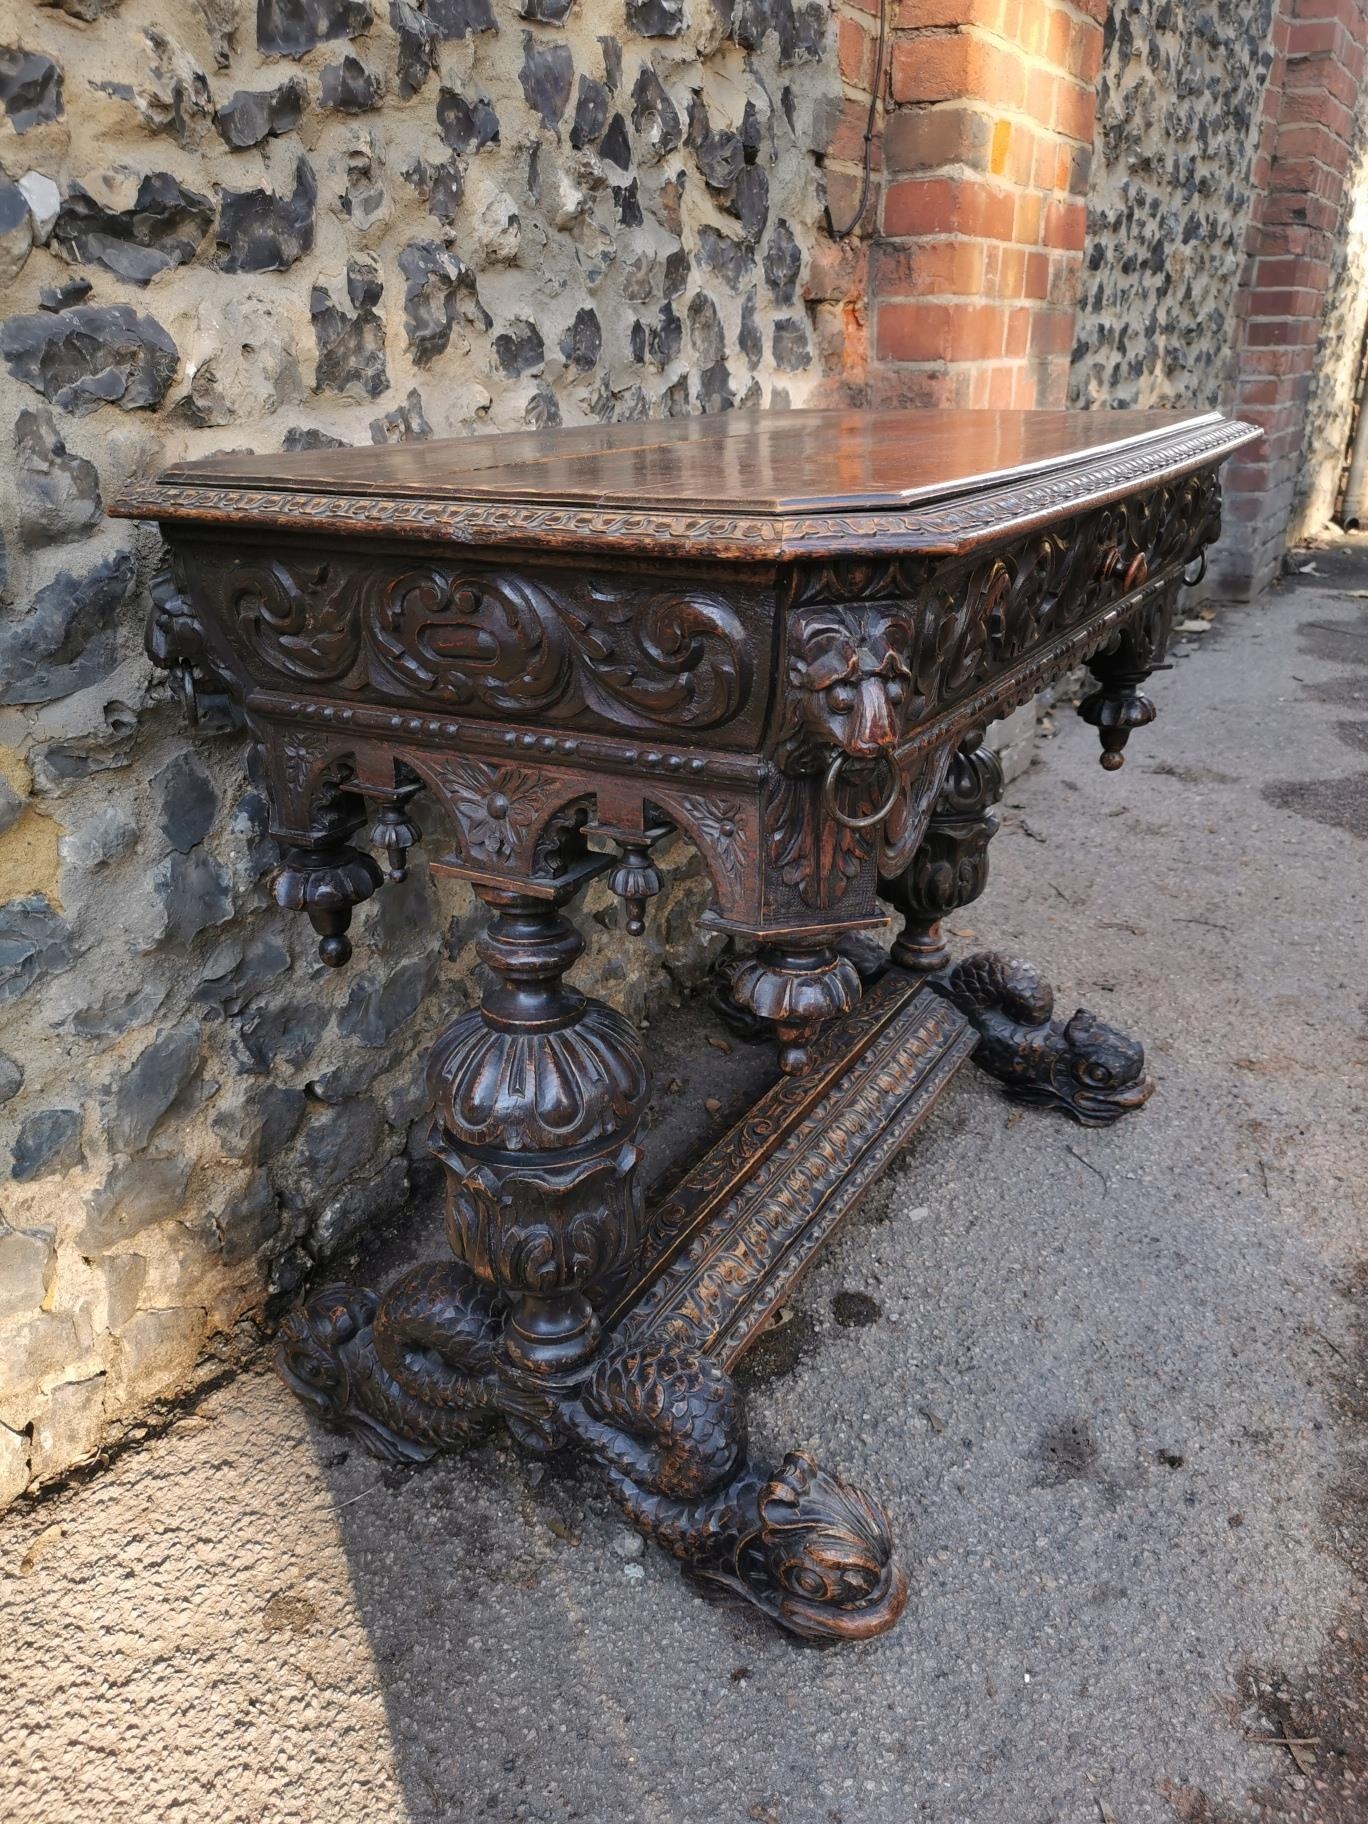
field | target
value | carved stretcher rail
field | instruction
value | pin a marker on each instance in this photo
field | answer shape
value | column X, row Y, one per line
column 727, row 1246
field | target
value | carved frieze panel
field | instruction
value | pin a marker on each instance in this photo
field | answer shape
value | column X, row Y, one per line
column 531, row 645
column 871, row 690
column 874, row 646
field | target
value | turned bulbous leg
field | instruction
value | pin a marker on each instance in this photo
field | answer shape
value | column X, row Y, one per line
column 950, row 868
column 537, row 1095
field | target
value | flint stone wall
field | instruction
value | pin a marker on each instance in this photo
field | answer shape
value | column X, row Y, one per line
column 276, row 227
column 1178, row 115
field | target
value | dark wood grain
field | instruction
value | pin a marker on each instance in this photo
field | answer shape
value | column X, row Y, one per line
column 741, row 484
column 780, row 635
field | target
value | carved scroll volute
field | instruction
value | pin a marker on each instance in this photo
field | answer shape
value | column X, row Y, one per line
column 286, row 620
column 948, row 868
column 302, row 618
column 921, row 778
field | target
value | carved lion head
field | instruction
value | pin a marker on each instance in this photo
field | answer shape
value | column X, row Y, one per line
column 848, row 670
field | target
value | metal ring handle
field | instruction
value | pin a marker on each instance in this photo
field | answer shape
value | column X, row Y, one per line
column 829, row 803
column 1201, row 562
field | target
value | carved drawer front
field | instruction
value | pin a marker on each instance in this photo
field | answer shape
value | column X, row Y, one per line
column 652, row 654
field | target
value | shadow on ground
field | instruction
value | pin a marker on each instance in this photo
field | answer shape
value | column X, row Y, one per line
column 1111, row 1384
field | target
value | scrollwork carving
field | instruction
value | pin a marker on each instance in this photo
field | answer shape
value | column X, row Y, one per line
column 504, row 641
column 301, row 619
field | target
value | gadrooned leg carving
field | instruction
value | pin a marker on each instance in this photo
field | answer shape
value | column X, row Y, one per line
column 326, row 882
column 867, row 959
column 740, row 1020
column 795, row 987
column 806, row 1549
column 1083, row 1066
column 538, row 1093
column 321, row 874
column 950, row 867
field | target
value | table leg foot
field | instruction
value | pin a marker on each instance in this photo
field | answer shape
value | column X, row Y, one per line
column 808, row 1551
column 795, row 988
column 1082, row 1066
column 414, row 1371
column 408, row 1372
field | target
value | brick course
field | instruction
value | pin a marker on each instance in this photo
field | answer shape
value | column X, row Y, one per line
column 988, row 148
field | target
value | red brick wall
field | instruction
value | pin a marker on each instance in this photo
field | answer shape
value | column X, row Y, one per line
column 988, row 148
column 1301, row 172
column 962, row 287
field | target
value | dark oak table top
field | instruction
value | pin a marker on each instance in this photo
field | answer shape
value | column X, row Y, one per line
column 752, row 484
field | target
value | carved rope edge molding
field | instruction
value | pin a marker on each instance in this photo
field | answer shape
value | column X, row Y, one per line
column 938, row 527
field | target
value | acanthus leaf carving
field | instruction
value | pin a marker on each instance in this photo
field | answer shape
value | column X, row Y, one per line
column 813, row 853
column 719, row 825
column 498, row 810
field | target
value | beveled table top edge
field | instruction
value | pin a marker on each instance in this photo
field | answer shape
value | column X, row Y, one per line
column 960, row 516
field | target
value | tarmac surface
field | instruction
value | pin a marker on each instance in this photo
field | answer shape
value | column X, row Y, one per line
column 1113, row 1385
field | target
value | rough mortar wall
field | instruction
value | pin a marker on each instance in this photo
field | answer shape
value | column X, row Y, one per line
column 226, row 226
column 1178, row 115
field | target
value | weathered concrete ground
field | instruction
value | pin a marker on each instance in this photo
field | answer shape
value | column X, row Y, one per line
column 1107, row 1381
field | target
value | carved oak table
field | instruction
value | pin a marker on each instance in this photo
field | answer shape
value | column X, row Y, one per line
column 781, row 635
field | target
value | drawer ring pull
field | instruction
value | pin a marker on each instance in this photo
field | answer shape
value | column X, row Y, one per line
column 829, row 803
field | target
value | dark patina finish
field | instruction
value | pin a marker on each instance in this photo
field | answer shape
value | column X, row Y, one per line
column 781, row 635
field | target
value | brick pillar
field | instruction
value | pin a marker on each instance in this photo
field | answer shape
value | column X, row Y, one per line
column 987, row 150
column 1300, row 172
